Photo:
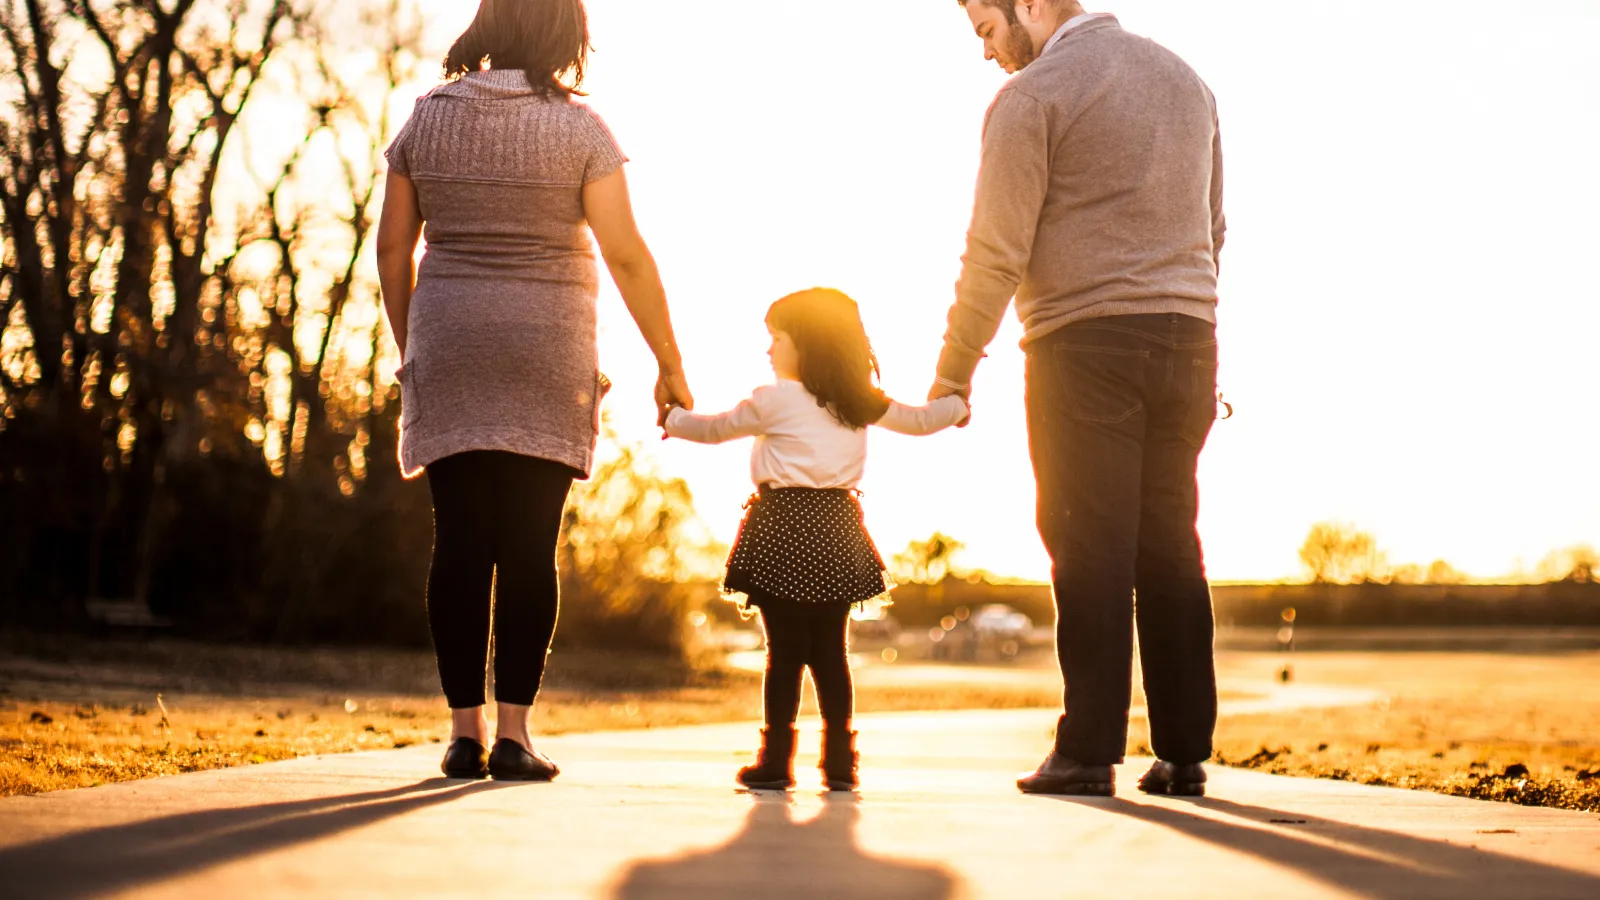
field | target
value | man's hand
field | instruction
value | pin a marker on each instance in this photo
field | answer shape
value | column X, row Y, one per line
column 942, row 389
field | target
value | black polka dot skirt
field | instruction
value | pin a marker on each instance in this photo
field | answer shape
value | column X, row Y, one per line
column 804, row 548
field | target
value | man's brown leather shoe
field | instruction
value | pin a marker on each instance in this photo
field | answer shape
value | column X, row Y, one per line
column 1187, row 780
column 1059, row 775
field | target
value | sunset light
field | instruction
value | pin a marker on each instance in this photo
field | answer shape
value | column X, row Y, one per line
column 1406, row 318
column 920, row 449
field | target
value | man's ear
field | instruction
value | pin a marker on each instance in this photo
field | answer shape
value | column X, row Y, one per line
column 1031, row 11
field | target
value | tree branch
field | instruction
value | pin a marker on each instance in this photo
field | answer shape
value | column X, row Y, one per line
column 20, row 52
column 49, row 83
column 119, row 62
column 200, row 74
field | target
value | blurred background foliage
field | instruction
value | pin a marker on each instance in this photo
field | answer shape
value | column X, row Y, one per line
column 197, row 406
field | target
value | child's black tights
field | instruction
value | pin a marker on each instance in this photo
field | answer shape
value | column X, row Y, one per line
column 818, row 640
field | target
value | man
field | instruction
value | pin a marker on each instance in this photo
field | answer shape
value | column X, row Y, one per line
column 1099, row 206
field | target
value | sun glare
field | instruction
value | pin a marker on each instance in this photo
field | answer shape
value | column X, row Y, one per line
column 1406, row 319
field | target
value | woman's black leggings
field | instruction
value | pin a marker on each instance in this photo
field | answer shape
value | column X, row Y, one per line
column 816, row 640
column 496, row 519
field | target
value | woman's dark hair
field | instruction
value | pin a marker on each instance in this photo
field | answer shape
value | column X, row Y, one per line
column 837, row 364
column 547, row 39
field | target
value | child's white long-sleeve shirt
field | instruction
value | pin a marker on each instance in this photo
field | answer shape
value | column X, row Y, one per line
column 801, row 444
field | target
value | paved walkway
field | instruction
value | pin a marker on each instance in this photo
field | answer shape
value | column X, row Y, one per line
column 655, row 815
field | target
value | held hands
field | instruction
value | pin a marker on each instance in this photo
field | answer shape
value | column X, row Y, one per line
column 672, row 390
column 942, row 389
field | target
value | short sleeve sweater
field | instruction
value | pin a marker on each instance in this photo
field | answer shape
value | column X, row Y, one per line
column 502, row 352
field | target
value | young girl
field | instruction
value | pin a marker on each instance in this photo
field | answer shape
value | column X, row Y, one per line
column 803, row 557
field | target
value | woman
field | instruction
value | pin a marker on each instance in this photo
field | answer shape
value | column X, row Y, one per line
column 496, row 331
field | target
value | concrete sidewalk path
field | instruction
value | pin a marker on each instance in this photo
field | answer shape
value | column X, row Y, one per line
column 655, row 814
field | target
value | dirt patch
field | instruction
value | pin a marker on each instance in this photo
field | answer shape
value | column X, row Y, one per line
column 1516, row 728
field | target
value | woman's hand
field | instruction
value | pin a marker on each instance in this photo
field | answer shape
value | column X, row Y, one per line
column 672, row 389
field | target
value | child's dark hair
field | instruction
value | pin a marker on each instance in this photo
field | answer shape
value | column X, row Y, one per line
column 837, row 364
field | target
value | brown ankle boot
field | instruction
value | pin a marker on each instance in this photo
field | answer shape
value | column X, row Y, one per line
column 774, row 768
column 839, row 759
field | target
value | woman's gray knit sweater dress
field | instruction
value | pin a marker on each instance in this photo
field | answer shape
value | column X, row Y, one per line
column 502, row 348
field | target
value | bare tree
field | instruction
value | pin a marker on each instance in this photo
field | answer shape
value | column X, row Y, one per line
column 927, row 561
column 1441, row 572
column 1338, row 553
column 1578, row 564
column 141, row 335
column 197, row 407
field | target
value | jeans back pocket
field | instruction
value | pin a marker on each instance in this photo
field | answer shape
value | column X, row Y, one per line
column 1102, row 385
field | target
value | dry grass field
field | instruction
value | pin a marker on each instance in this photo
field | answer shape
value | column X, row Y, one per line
column 1517, row 727
column 80, row 713
column 77, row 713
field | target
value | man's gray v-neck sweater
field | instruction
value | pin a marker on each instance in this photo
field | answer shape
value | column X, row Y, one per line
column 1099, row 194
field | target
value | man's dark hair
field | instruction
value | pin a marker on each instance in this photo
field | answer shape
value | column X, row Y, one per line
column 547, row 39
column 1009, row 7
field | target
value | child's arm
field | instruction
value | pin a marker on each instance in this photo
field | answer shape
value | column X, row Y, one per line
column 744, row 420
column 919, row 420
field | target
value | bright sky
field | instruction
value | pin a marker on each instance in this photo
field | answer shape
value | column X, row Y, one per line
column 1410, row 301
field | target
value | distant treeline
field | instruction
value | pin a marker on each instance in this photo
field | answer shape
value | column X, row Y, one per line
column 1554, row 605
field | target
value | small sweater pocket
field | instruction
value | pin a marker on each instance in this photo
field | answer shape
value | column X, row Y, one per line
column 411, row 403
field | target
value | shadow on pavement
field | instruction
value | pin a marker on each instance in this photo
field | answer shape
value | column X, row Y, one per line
column 775, row 857
column 1371, row 862
column 102, row 861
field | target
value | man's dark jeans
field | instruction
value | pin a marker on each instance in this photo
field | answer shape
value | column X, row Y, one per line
column 1118, row 409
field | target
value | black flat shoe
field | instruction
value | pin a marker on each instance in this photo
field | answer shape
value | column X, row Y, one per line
column 1172, row 779
column 466, row 758
column 1059, row 775
column 510, row 761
